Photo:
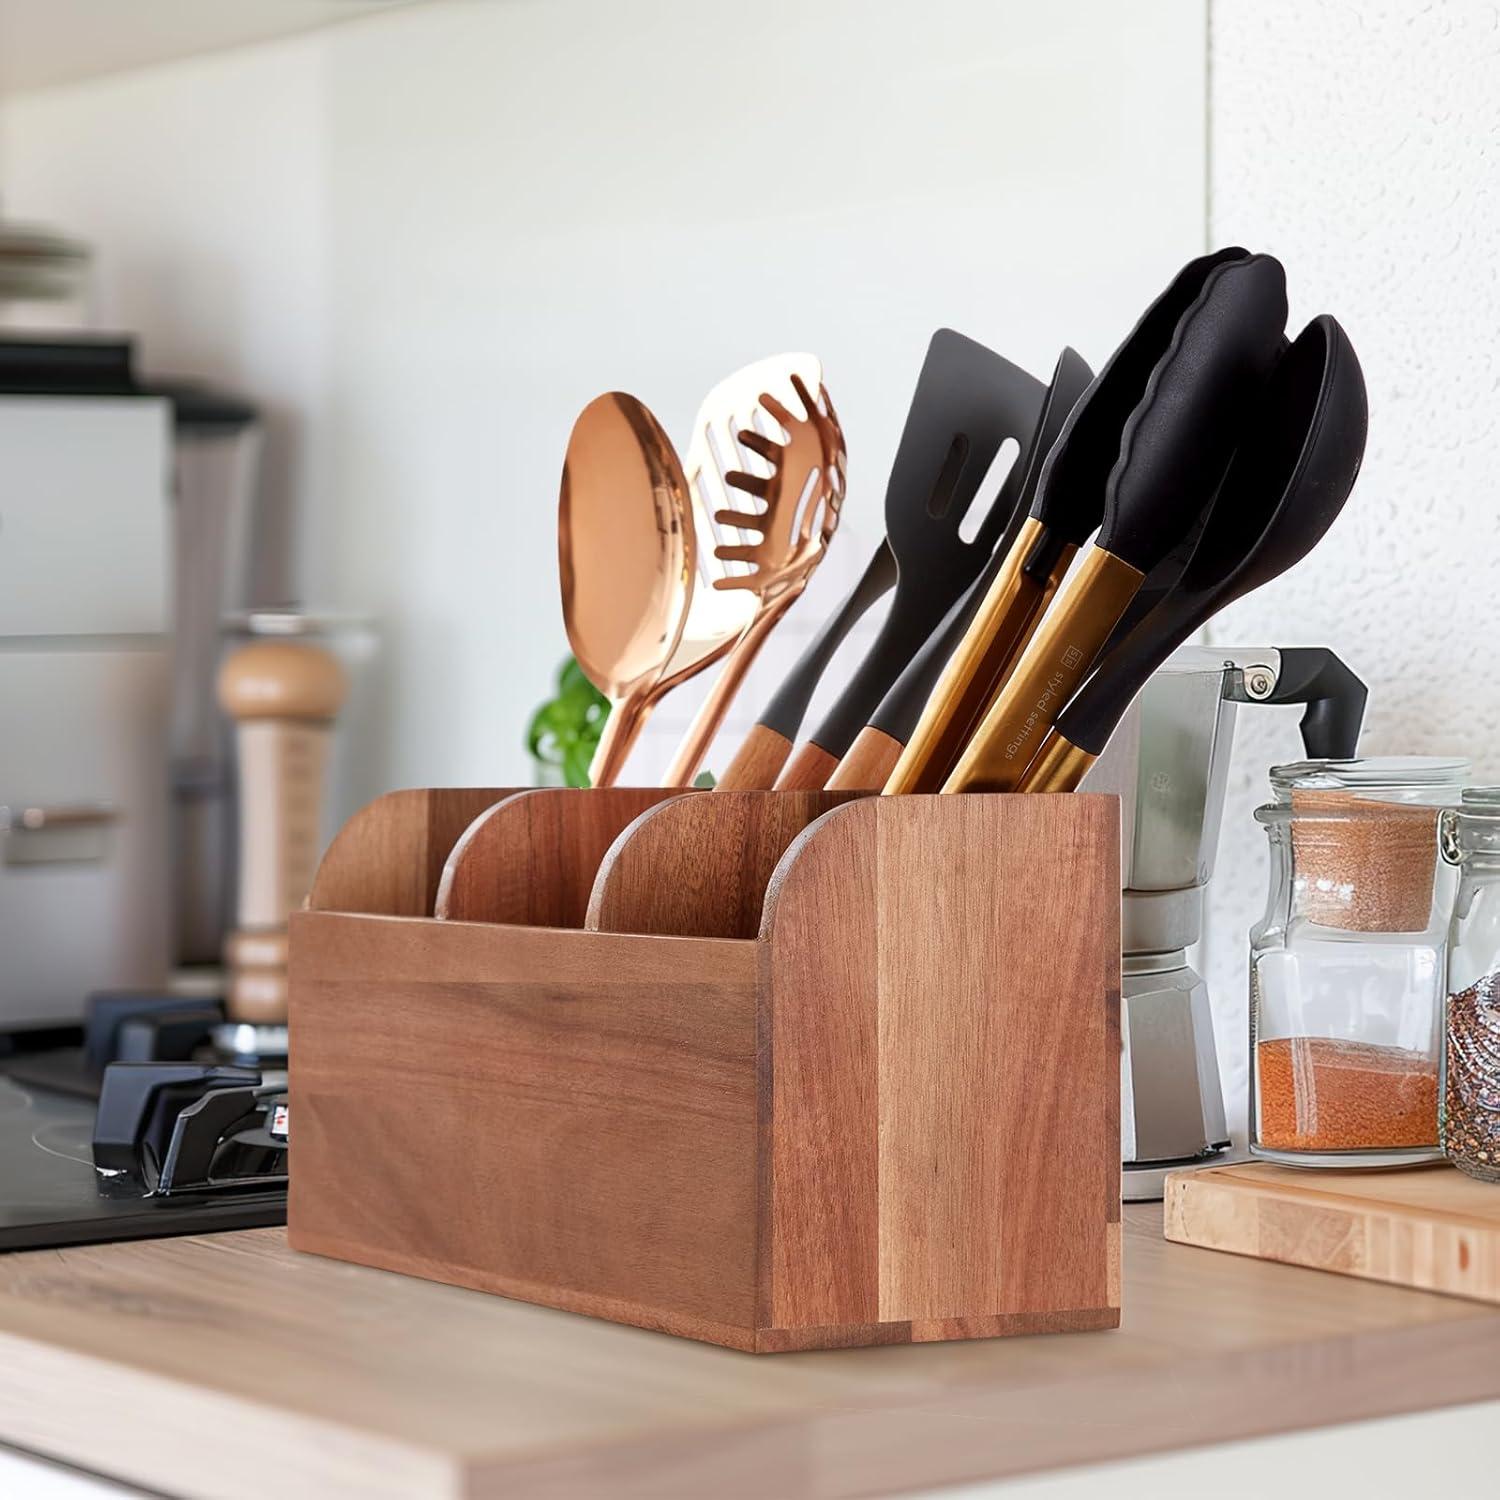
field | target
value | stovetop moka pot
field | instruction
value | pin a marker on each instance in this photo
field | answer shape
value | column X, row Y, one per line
column 1169, row 763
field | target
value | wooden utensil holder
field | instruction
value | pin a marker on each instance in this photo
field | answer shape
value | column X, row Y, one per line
column 780, row 1071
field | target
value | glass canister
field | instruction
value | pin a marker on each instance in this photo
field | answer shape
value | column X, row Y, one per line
column 1470, row 1077
column 1346, row 966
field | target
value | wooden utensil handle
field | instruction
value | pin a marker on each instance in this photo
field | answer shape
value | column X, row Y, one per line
column 868, row 765
column 757, row 762
column 808, row 770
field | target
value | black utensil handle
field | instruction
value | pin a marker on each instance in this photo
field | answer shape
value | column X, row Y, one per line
column 914, row 614
column 788, row 705
column 1334, row 696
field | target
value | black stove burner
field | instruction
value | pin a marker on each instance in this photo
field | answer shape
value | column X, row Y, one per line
column 176, row 1146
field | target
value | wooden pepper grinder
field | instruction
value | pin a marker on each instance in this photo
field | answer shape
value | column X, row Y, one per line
column 283, row 696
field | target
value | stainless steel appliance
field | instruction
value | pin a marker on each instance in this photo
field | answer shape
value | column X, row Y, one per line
column 127, row 525
column 85, row 549
column 1169, row 763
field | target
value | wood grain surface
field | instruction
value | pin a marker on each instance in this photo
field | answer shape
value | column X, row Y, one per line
column 934, row 1060
column 1429, row 1227
column 807, row 770
column 757, row 763
column 699, row 866
column 819, row 1103
column 516, row 1100
column 867, row 764
column 388, row 858
column 230, row 1368
column 531, row 859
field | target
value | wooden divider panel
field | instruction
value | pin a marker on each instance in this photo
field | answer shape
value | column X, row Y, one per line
column 388, row 858
column 531, row 860
column 698, row 866
column 942, row 1031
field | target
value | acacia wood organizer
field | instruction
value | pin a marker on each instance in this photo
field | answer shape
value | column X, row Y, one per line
column 778, row 1070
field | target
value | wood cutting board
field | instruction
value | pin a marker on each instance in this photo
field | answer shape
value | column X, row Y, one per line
column 1428, row 1227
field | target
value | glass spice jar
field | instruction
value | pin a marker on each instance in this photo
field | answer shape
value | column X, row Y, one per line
column 1346, row 966
column 1470, row 1075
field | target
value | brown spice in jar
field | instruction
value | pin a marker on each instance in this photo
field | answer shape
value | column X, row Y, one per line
column 1326, row 1094
column 1471, row 1094
column 1363, row 865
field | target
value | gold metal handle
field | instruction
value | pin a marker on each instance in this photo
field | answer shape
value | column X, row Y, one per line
column 1049, row 671
column 1058, row 767
column 974, row 674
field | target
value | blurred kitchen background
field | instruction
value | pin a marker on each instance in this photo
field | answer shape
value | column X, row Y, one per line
column 415, row 238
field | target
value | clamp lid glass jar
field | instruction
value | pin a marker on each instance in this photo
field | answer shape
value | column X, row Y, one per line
column 1470, row 1096
column 1346, row 976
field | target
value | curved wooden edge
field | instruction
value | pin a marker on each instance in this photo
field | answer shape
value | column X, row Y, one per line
column 388, row 858
column 530, row 861
column 698, row 866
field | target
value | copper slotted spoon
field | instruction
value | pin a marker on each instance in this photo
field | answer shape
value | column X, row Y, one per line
column 784, row 541
column 626, row 550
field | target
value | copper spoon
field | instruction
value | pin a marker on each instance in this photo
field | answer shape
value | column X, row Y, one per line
column 626, row 555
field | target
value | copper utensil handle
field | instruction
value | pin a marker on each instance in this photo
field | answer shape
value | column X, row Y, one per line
column 710, row 716
column 1057, row 659
column 621, row 730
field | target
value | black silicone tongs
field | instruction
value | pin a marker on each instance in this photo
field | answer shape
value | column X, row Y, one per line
column 877, row 747
column 1171, row 454
column 1297, row 461
column 1068, row 482
column 968, row 401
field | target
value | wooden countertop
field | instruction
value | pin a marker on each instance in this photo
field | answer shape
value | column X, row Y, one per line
column 228, row 1366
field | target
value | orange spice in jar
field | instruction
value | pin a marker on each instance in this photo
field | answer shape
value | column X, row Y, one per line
column 1346, row 965
column 1329, row 1094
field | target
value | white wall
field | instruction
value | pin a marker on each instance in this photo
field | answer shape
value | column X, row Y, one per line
column 427, row 238
column 201, row 185
column 1361, row 144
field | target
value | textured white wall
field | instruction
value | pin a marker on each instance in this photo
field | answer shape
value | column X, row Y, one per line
column 1361, row 144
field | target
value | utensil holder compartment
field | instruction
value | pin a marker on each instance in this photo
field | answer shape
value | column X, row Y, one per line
column 774, row 1070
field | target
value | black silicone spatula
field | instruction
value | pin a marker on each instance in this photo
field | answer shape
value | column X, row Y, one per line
column 968, row 401
column 1297, row 461
column 1068, row 483
column 1171, row 456
column 872, row 757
